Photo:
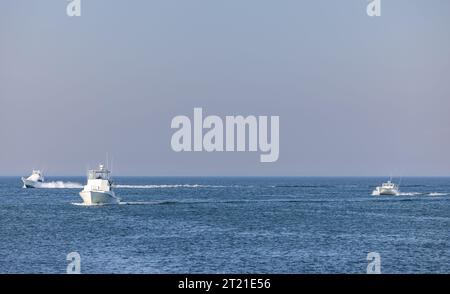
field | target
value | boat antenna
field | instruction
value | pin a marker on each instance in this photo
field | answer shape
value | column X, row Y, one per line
column 112, row 162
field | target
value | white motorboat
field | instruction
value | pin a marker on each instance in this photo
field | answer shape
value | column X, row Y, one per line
column 387, row 188
column 98, row 189
column 33, row 181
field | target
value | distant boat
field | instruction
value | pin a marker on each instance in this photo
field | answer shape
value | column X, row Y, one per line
column 34, row 180
column 387, row 188
column 98, row 189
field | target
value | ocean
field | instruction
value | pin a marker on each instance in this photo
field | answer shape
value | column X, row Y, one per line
column 227, row 225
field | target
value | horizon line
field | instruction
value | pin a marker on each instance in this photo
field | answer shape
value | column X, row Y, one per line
column 253, row 176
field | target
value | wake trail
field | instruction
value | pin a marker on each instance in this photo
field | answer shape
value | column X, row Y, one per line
column 167, row 186
column 60, row 185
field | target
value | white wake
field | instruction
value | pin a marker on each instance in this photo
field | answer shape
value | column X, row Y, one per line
column 438, row 194
column 409, row 194
column 120, row 203
column 377, row 193
column 59, row 185
column 166, row 186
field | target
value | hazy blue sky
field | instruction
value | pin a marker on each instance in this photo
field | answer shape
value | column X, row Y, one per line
column 355, row 95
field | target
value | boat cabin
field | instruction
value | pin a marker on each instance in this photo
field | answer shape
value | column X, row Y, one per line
column 99, row 174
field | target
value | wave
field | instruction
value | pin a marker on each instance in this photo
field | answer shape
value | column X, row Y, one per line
column 199, row 201
column 148, row 202
column 166, row 186
column 377, row 193
column 60, row 185
column 409, row 194
column 241, row 201
column 80, row 204
column 129, row 203
column 296, row 186
column 438, row 194
column 306, row 186
column 94, row 204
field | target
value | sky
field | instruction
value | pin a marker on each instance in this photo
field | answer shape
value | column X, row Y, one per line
column 356, row 95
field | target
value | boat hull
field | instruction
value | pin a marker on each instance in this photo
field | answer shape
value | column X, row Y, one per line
column 390, row 192
column 30, row 184
column 99, row 197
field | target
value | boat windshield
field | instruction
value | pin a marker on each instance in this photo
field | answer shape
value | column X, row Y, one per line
column 98, row 175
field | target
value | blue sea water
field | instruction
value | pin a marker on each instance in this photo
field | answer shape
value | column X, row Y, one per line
column 227, row 225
